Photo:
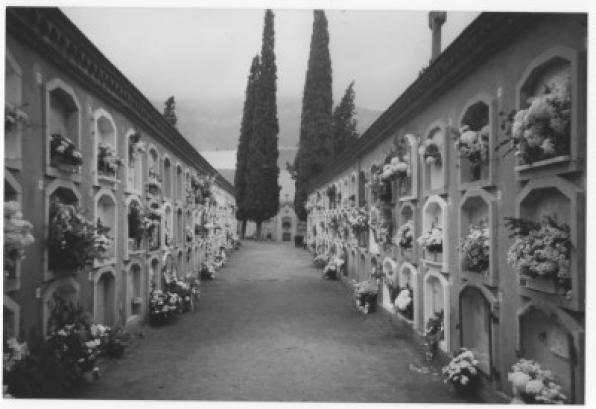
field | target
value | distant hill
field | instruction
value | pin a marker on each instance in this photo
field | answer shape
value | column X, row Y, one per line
column 215, row 124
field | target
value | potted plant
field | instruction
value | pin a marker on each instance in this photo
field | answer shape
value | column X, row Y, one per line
column 462, row 372
column 108, row 161
column 475, row 248
column 365, row 295
column 63, row 152
column 432, row 240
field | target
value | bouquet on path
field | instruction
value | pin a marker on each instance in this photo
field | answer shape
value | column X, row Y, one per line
column 332, row 268
column 365, row 294
column 532, row 384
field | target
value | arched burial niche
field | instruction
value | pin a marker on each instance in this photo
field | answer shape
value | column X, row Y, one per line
column 391, row 283
column 135, row 285
column 405, row 233
column 551, row 337
column 63, row 129
column 436, row 300
column 475, row 142
column 179, row 227
column 478, row 236
column 476, row 325
column 434, row 244
column 105, row 298
column 551, row 81
column 106, row 223
column 168, row 225
column 136, row 233
column 65, row 289
column 15, row 118
column 154, row 273
column 135, row 159
column 407, row 152
column 106, row 146
column 179, row 183
column 558, row 198
column 167, row 177
column 408, row 278
column 434, row 160
column 180, row 265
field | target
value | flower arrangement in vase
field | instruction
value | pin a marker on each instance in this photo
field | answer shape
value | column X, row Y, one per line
column 108, row 161
column 462, row 372
column 541, row 249
column 475, row 248
column 433, row 334
column 474, row 147
column 404, row 237
column 404, row 302
column 17, row 236
column 63, row 151
column 430, row 152
column 432, row 240
column 72, row 238
column 542, row 130
column 532, row 384
column 358, row 219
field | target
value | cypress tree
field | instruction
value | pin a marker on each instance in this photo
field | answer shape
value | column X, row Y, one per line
column 244, row 140
column 344, row 123
column 315, row 146
column 262, row 189
column 169, row 111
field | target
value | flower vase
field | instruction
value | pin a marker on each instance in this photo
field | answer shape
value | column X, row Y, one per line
column 468, row 390
column 542, row 284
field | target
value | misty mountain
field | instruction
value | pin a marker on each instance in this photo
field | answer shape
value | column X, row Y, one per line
column 215, row 124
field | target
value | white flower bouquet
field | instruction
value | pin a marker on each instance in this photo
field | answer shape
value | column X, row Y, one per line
column 108, row 161
column 432, row 240
column 404, row 237
column 404, row 302
column 64, row 151
column 358, row 219
column 462, row 371
column 17, row 236
column 430, row 153
column 475, row 248
column 474, row 146
column 365, row 295
column 321, row 260
column 542, row 130
column 534, row 384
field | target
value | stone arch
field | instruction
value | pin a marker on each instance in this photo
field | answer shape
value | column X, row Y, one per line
column 135, row 288
column 436, row 298
column 105, row 210
column 105, row 297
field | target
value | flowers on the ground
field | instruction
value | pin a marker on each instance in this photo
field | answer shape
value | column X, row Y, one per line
column 430, row 152
column 108, row 161
column 432, row 240
column 404, row 299
column 433, row 334
column 333, row 267
column 321, row 260
column 64, row 151
column 462, row 370
column 542, row 130
column 207, row 271
column 534, row 384
column 17, row 236
column 541, row 249
column 365, row 294
column 404, row 236
column 72, row 238
column 162, row 305
column 474, row 146
column 475, row 248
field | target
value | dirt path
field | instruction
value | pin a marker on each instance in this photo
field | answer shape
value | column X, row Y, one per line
column 268, row 328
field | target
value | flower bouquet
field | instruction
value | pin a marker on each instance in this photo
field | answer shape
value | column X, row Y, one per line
column 475, row 248
column 433, row 334
column 17, row 236
column 404, row 237
column 108, row 161
column 474, row 147
column 12, row 116
column 533, row 384
column 63, row 151
column 331, row 270
column 112, row 341
column 358, row 220
column 163, row 306
column 135, row 147
column 207, row 271
column 541, row 249
column 72, row 241
column 462, row 372
column 404, row 302
column 542, row 131
column 365, row 295
column 321, row 260
column 431, row 153
column 432, row 240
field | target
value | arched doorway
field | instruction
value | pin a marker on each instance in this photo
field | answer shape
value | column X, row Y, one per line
column 105, row 289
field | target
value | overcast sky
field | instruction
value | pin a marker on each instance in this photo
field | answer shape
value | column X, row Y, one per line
column 206, row 53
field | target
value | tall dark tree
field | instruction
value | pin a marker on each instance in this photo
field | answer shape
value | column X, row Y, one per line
column 344, row 123
column 244, row 140
column 262, row 188
column 169, row 111
column 315, row 146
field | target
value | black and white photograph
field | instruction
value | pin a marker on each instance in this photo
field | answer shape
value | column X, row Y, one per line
column 324, row 202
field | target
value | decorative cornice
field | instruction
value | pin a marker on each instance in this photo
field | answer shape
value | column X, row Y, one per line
column 480, row 40
column 52, row 34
